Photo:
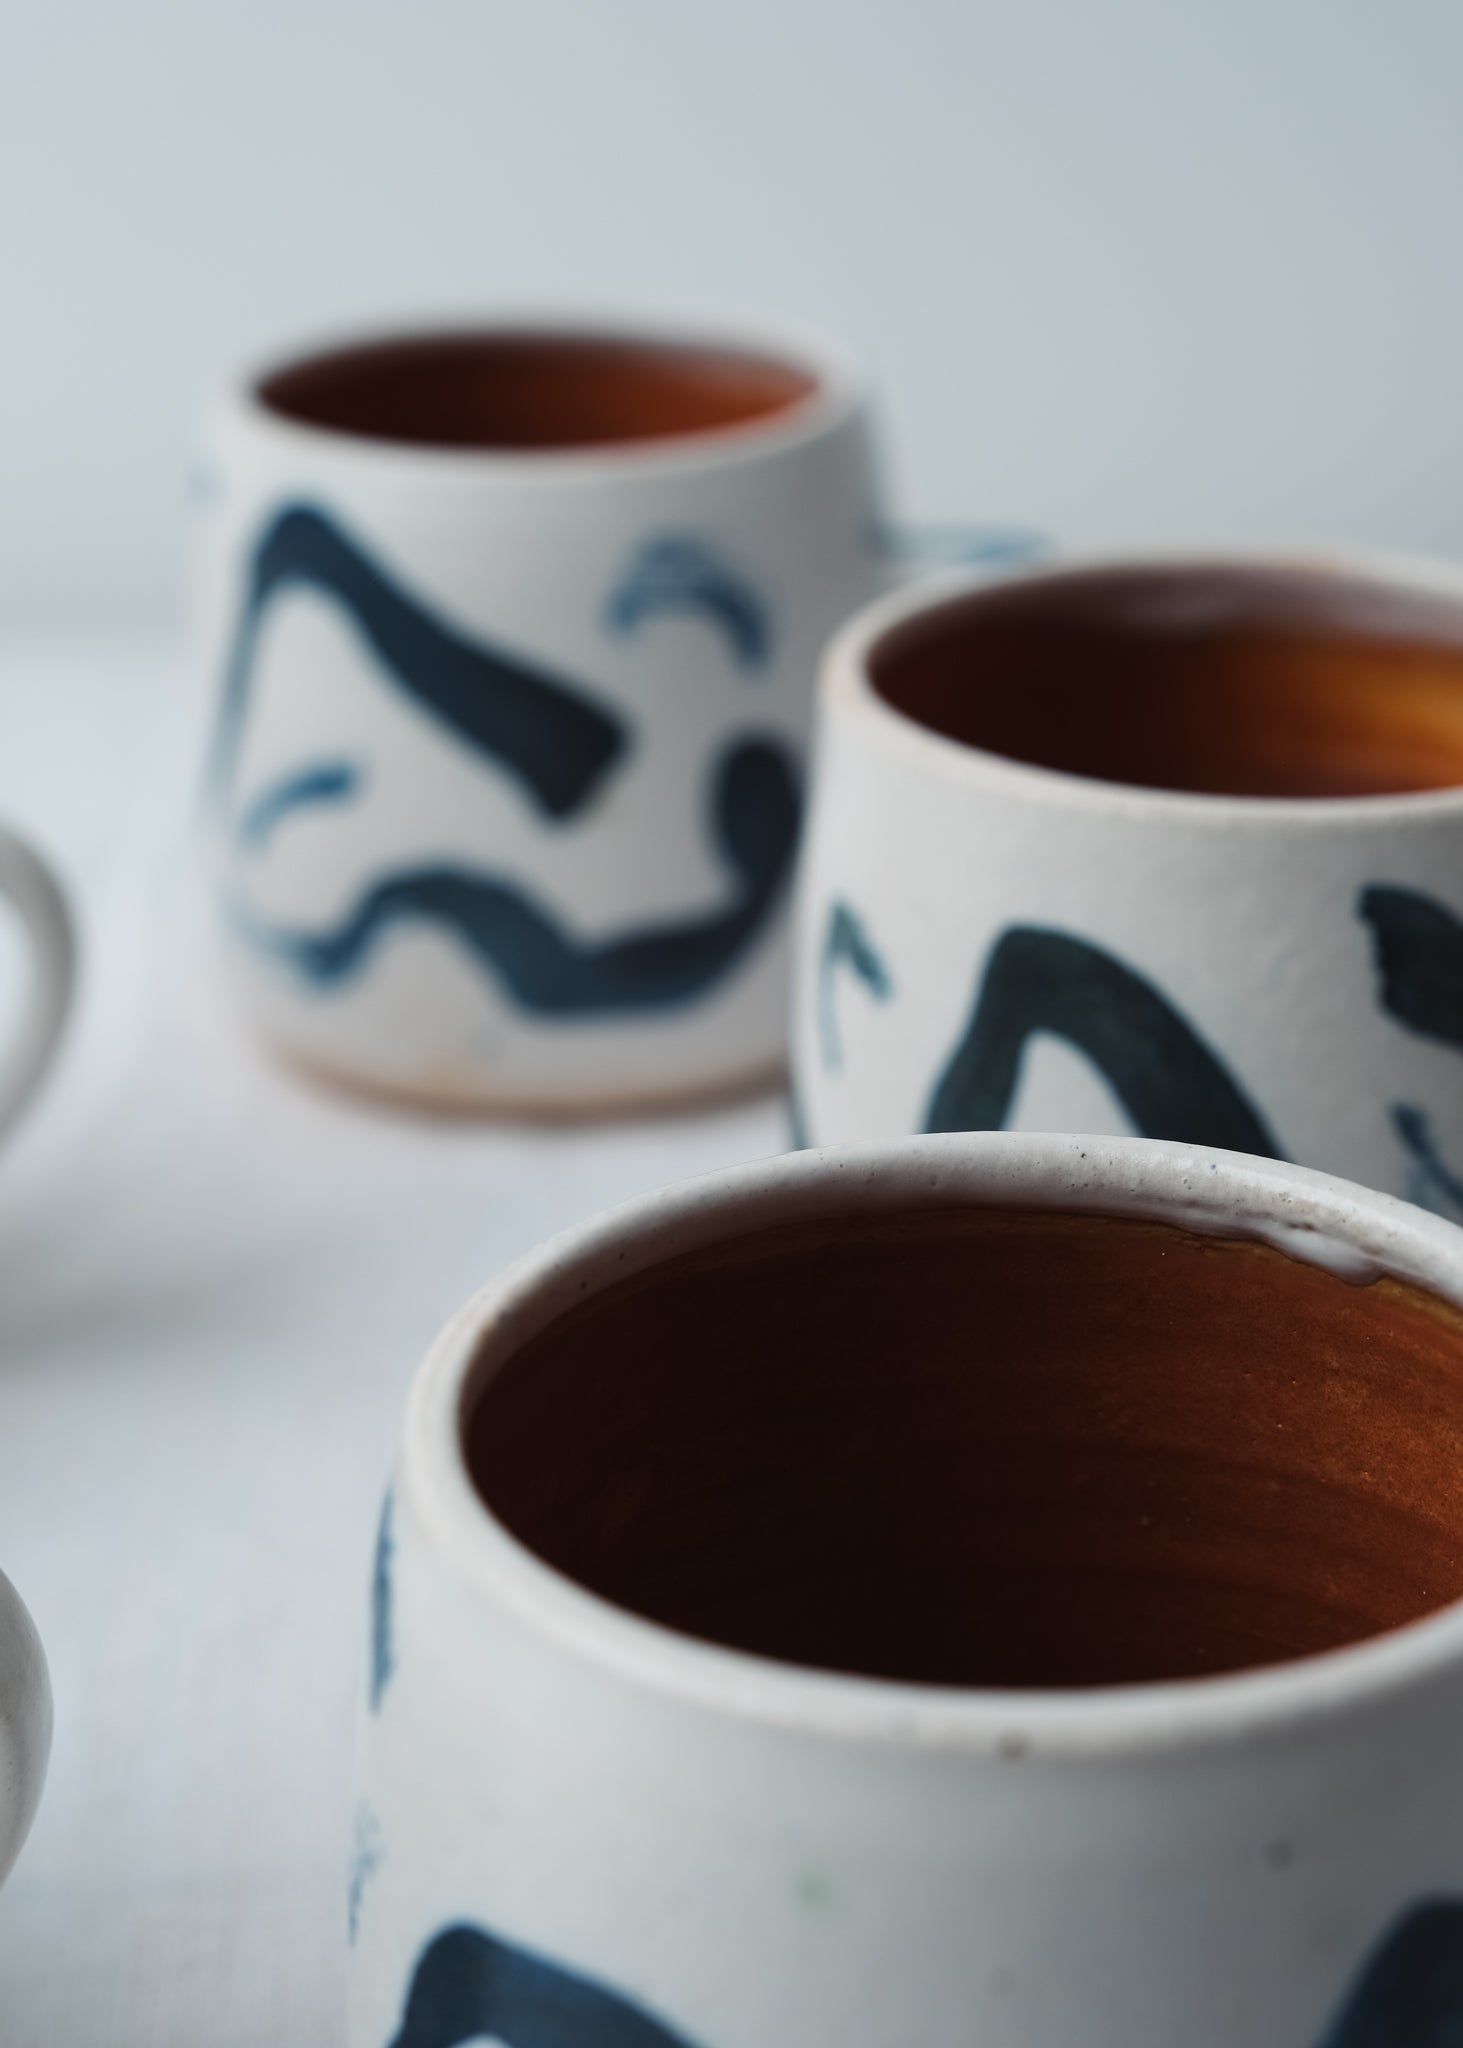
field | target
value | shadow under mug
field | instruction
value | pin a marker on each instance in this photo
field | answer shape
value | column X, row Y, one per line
column 514, row 629
column 1166, row 846
column 990, row 1588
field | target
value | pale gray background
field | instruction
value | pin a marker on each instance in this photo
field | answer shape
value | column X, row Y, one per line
column 1136, row 270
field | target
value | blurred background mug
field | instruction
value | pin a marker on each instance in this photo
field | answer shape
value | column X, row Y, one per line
column 995, row 1589
column 1173, row 847
column 514, row 630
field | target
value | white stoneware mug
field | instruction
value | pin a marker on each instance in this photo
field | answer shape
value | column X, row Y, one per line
column 514, row 630
column 1173, row 847
column 998, row 1589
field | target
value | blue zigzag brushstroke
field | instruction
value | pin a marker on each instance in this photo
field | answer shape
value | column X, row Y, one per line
column 1417, row 951
column 1430, row 1184
column 678, row 573
column 383, row 1652
column 470, row 1985
column 755, row 816
column 1410, row 1994
column 328, row 782
column 846, row 943
column 1170, row 1082
column 540, row 727
column 366, row 1859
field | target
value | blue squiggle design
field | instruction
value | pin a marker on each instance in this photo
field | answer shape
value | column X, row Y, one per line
column 846, row 943
column 383, row 1652
column 540, row 727
column 366, row 1859
column 1432, row 1184
column 328, row 782
column 1170, row 1082
column 679, row 573
column 470, row 1985
column 1410, row 1994
column 755, row 815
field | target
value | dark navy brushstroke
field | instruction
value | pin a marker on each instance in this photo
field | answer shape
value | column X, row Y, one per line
column 383, row 1649
column 1417, row 949
column 366, row 1859
column 678, row 573
column 541, row 727
column 846, row 943
column 470, row 1985
column 1171, row 1083
column 756, row 806
column 1410, row 1993
column 328, row 782
column 1431, row 1183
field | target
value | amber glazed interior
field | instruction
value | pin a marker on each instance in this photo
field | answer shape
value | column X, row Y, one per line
column 1236, row 681
column 524, row 390
column 992, row 1447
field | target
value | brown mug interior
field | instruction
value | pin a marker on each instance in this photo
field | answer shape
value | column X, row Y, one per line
column 991, row 1447
column 1219, row 679
column 530, row 389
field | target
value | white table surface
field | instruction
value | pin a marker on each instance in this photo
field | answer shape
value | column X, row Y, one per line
column 214, row 1287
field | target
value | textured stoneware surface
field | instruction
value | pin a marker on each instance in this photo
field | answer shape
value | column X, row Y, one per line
column 509, row 761
column 985, row 942
column 578, row 1824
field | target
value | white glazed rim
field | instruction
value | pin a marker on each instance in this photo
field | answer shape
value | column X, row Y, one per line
column 1309, row 1214
column 846, row 689
column 840, row 393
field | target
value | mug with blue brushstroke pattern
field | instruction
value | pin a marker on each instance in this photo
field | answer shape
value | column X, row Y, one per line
column 512, row 631
column 999, row 1589
column 1170, row 846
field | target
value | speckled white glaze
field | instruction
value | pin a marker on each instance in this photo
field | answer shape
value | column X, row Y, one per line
column 562, row 1802
column 532, row 555
column 1247, row 916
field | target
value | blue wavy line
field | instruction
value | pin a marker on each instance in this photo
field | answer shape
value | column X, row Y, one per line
column 846, row 943
column 383, row 1652
column 469, row 1985
column 755, row 816
column 540, row 727
column 679, row 573
column 329, row 782
column 1410, row 1992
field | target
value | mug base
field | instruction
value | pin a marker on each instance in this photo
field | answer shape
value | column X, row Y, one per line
column 453, row 1101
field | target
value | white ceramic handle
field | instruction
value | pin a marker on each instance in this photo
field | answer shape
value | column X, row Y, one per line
column 36, row 894
column 25, row 1723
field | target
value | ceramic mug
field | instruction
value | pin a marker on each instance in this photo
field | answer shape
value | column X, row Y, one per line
column 1169, row 846
column 997, row 1588
column 514, row 629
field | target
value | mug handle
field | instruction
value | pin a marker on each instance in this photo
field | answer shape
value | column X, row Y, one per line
column 25, row 1723
column 36, row 896
column 912, row 552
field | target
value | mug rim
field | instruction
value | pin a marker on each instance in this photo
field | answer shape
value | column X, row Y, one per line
column 1351, row 1230
column 840, row 393
column 846, row 689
